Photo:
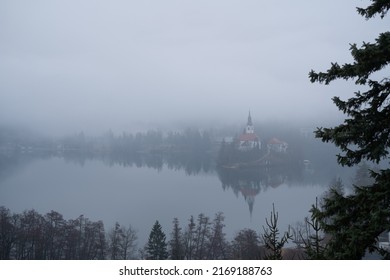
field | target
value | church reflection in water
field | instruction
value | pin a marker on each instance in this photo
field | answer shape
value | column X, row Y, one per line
column 249, row 182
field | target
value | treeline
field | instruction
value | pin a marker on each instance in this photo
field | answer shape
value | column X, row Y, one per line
column 151, row 141
column 32, row 236
column 191, row 150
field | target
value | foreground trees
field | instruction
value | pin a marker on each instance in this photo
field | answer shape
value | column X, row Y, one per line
column 156, row 247
column 32, row 236
column 7, row 233
column 354, row 222
column 246, row 245
column 122, row 243
column 204, row 239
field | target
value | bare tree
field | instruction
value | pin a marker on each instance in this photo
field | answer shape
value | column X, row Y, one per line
column 93, row 241
column 54, row 235
column 128, row 244
column 7, row 233
column 72, row 240
column 114, row 238
column 30, row 236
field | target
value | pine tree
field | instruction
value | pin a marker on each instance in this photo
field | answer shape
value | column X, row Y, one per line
column 176, row 247
column 202, row 233
column 245, row 245
column 271, row 239
column 314, row 240
column 189, row 239
column 157, row 246
column 354, row 222
column 115, row 236
column 218, row 246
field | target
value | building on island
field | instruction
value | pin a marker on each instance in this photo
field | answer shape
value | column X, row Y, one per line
column 276, row 145
column 248, row 140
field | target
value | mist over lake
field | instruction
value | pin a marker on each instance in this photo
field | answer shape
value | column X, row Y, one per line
column 102, row 178
column 119, row 115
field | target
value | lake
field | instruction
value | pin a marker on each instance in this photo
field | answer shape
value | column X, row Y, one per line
column 140, row 195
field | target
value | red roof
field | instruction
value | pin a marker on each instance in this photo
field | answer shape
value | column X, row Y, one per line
column 248, row 137
column 275, row 141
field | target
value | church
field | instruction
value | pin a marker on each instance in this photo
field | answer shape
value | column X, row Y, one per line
column 248, row 140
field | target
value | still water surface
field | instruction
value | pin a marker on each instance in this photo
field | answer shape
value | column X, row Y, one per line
column 139, row 195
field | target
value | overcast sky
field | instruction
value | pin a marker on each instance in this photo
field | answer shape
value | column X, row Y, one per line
column 67, row 66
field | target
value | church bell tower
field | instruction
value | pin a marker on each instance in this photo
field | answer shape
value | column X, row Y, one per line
column 249, row 125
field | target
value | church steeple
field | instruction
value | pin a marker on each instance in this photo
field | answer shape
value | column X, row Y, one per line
column 248, row 140
column 249, row 119
column 249, row 125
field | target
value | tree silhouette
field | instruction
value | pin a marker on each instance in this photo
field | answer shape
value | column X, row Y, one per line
column 176, row 247
column 271, row 239
column 246, row 245
column 354, row 222
column 157, row 246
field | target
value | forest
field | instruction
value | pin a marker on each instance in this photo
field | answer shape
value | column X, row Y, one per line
column 33, row 236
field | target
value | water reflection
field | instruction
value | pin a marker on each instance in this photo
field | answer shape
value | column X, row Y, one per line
column 247, row 183
column 155, row 185
column 190, row 163
column 11, row 162
column 250, row 182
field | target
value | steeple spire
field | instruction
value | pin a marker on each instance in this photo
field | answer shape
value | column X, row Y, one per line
column 249, row 118
column 249, row 125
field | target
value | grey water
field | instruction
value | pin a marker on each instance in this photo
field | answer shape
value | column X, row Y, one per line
column 139, row 195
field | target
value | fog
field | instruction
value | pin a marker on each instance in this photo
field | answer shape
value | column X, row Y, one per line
column 68, row 66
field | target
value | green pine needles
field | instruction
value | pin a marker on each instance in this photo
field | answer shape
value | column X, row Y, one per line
column 354, row 222
column 156, row 247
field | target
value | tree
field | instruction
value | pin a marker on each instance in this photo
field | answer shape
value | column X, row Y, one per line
column 354, row 222
column 157, row 246
column 176, row 247
column 93, row 242
column 7, row 233
column 218, row 246
column 114, row 238
column 273, row 244
column 314, row 239
column 189, row 239
column 30, row 236
column 202, row 235
column 121, row 242
column 54, row 232
column 128, row 243
column 245, row 245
